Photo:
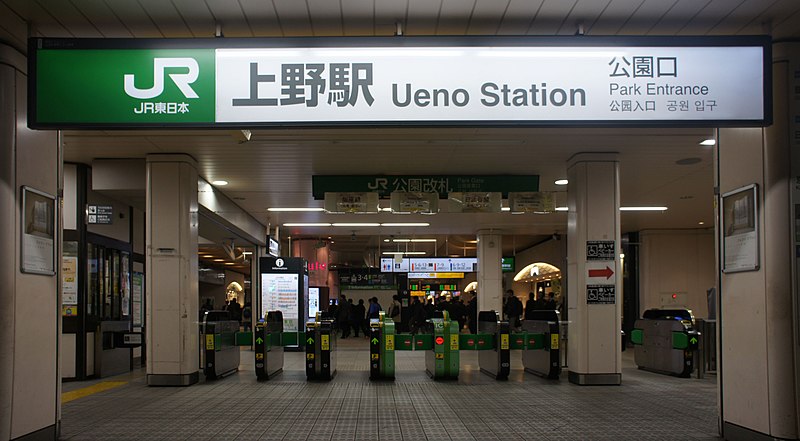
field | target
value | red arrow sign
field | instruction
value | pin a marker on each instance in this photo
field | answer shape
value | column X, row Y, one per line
column 607, row 273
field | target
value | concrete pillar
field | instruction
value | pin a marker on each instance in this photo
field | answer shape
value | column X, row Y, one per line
column 594, row 282
column 30, row 303
column 490, row 271
column 758, row 308
column 171, row 258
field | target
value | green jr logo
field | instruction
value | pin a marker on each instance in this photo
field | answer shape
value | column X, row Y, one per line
column 181, row 80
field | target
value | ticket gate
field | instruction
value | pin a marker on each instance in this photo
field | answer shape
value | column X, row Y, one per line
column 442, row 361
column 545, row 363
column 495, row 362
column 381, row 348
column 665, row 340
column 320, row 343
column 221, row 354
column 268, row 346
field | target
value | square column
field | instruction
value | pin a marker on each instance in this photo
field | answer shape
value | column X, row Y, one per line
column 490, row 271
column 594, row 285
column 172, row 290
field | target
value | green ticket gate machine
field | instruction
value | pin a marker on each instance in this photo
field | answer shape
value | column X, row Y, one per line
column 221, row 354
column 495, row 362
column 320, row 342
column 381, row 348
column 269, row 346
column 442, row 361
column 665, row 340
column 542, row 326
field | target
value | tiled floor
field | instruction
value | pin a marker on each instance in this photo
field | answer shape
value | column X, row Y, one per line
column 646, row 407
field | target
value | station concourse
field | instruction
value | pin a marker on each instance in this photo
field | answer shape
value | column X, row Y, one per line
column 162, row 161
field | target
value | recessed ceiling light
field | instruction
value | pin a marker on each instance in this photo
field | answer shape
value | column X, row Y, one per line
column 505, row 209
column 295, row 209
column 386, row 240
column 562, row 208
column 407, row 253
column 356, row 224
column 247, row 253
column 219, row 183
column 219, row 260
column 406, row 224
column 709, row 141
column 207, row 256
column 561, row 182
column 307, row 224
column 229, row 263
column 701, row 223
column 642, row 208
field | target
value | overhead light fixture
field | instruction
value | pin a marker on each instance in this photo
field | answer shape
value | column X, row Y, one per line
column 247, row 253
column 307, row 224
column 219, row 183
column 385, row 209
column 505, row 209
column 219, row 260
column 709, row 141
column 642, row 208
column 386, row 240
column 207, row 256
column 229, row 263
column 406, row 224
column 562, row 208
column 701, row 223
column 561, row 182
column 295, row 209
column 412, row 240
column 407, row 253
column 356, row 224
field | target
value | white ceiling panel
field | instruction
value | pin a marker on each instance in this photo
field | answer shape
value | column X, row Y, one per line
column 676, row 18
column 14, row 28
column 230, row 16
column 735, row 19
column 614, row 17
column 262, row 18
column 42, row 22
column 455, row 16
column 585, row 12
column 326, row 17
column 519, row 17
column 646, row 16
column 103, row 18
column 167, row 19
column 135, row 19
column 65, row 12
column 358, row 18
column 197, row 17
column 487, row 16
column 709, row 17
column 423, row 17
column 551, row 16
column 293, row 16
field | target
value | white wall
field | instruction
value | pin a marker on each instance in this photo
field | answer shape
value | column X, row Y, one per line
column 676, row 261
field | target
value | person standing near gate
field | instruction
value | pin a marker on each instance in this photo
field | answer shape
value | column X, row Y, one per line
column 395, row 310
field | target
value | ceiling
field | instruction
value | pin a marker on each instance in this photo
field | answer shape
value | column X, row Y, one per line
column 274, row 168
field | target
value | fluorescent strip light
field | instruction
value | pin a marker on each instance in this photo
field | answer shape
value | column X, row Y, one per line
column 407, row 253
column 401, row 240
column 562, row 208
column 561, row 182
column 422, row 240
column 505, row 209
column 295, row 209
column 307, row 224
column 642, row 208
column 406, row 224
column 219, row 183
column 356, row 224
column 709, row 141
column 247, row 253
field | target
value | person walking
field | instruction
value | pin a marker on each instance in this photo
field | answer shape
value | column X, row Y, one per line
column 395, row 310
column 343, row 316
column 359, row 311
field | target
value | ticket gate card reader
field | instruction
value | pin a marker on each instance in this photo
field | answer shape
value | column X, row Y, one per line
column 381, row 348
column 442, row 361
column 320, row 350
column 268, row 346
column 497, row 361
column 544, row 326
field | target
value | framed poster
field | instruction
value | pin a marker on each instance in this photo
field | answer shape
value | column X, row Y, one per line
column 38, row 251
column 739, row 219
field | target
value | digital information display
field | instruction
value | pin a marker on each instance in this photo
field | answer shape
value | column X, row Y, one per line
column 279, row 292
column 313, row 302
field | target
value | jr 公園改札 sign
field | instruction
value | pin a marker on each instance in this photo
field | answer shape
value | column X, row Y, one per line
column 388, row 81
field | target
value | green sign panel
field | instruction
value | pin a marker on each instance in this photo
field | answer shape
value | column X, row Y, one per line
column 508, row 264
column 125, row 86
column 442, row 184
